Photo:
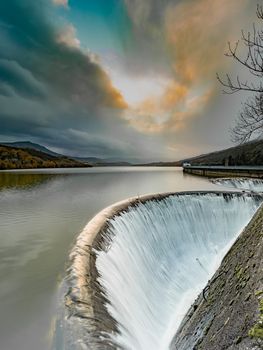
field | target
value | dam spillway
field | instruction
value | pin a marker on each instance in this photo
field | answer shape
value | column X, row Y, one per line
column 130, row 286
column 249, row 184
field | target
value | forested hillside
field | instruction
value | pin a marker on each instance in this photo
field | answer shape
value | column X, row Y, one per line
column 250, row 153
column 16, row 158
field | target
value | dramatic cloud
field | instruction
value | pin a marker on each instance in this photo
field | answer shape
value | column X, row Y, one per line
column 15, row 79
column 49, row 87
column 30, row 42
column 192, row 36
column 151, row 96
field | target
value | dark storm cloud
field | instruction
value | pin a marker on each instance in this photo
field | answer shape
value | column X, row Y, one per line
column 29, row 40
column 51, row 91
column 20, row 80
column 54, row 93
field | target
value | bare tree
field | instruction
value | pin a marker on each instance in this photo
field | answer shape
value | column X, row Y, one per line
column 250, row 121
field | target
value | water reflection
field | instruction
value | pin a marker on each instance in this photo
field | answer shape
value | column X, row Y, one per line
column 22, row 181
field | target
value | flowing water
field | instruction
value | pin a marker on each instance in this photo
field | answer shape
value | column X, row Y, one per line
column 41, row 212
column 255, row 185
column 158, row 256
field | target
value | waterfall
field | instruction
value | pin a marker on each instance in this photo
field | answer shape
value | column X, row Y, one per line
column 161, row 256
column 151, row 260
column 249, row 184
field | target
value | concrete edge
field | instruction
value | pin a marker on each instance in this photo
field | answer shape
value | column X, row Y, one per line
column 98, row 222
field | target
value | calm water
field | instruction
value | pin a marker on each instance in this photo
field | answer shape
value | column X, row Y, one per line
column 41, row 212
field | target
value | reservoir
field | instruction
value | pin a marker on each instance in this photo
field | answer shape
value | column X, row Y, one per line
column 41, row 214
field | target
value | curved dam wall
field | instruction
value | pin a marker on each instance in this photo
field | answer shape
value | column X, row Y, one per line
column 137, row 267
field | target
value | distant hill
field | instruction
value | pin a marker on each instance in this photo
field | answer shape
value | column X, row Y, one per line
column 32, row 145
column 91, row 160
column 102, row 162
column 94, row 161
column 250, row 153
column 160, row 164
column 26, row 158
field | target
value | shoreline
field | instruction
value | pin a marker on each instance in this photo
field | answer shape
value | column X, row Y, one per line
column 222, row 171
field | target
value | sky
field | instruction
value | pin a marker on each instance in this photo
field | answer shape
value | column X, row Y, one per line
column 130, row 80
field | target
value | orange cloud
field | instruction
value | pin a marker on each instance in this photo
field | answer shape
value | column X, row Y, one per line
column 112, row 98
column 151, row 115
column 171, row 114
column 196, row 34
column 116, row 99
column 193, row 107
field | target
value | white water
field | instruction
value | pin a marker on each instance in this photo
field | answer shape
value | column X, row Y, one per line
column 161, row 256
column 255, row 185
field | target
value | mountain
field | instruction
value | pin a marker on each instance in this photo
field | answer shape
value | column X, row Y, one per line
column 28, row 145
column 102, row 162
column 250, row 153
column 92, row 160
column 31, row 145
column 160, row 164
column 26, row 158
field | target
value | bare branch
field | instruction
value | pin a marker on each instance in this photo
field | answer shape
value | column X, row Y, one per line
column 233, row 87
column 249, row 123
